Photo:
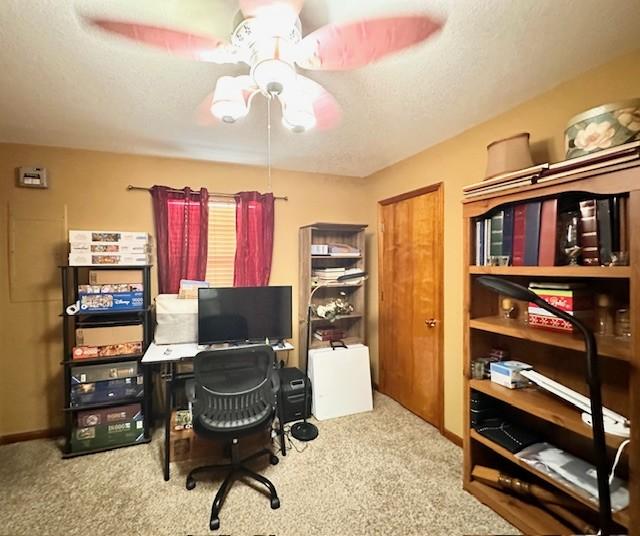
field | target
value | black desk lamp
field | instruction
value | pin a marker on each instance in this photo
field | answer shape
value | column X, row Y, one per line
column 306, row 431
column 518, row 292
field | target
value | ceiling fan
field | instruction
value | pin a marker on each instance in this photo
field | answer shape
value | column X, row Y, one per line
column 270, row 41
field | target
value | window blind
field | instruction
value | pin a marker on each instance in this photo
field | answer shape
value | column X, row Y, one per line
column 222, row 241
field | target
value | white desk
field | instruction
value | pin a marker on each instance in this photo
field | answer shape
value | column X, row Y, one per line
column 168, row 355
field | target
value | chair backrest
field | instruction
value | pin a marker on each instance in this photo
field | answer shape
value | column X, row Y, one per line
column 234, row 392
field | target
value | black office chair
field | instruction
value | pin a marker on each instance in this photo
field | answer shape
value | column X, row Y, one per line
column 235, row 395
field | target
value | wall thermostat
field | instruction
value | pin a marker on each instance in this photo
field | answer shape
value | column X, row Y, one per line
column 32, row 177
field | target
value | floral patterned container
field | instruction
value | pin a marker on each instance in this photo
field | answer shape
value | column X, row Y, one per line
column 603, row 127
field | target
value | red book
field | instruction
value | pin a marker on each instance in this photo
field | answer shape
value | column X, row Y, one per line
column 519, row 219
column 548, row 233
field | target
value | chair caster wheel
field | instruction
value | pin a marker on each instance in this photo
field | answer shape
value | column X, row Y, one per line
column 191, row 483
column 275, row 503
column 273, row 460
column 214, row 524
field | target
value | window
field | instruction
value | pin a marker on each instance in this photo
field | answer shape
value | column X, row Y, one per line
column 222, row 241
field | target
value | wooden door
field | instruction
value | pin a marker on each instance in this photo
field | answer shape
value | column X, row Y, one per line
column 410, row 301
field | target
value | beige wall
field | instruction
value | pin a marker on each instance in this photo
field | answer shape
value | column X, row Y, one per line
column 91, row 185
column 460, row 161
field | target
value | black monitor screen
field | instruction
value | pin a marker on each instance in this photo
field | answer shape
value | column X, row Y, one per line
column 243, row 314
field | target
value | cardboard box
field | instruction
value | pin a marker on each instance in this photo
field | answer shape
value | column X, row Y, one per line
column 106, row 259
column 107, row 435
column 569, row 300
column 110, row 289
column 117, row 301
column 110, row 277
column 108, row 236
column 106, row 391
column 107, row 371
column 554, row 323
column 507, row 373
column 111, row 350
column 114, row 415
column 109, row 247
column 109, row 335
column 185, row 445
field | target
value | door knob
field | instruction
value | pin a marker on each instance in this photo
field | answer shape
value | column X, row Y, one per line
column 431, row 323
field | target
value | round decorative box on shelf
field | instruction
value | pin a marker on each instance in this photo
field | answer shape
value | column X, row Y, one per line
column 507, row 155
column 603, row 127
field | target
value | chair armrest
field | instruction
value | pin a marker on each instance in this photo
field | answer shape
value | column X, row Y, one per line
column 190, row 390
column 275, row 381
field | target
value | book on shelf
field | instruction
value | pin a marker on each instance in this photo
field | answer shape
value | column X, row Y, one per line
column 532, row 233
column 548, row 233
column 519, row 222
column 535, row 233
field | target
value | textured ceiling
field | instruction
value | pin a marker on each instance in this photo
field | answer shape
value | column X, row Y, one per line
column 65, row 85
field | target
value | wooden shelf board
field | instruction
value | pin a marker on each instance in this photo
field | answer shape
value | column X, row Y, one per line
column 619, row 272
column 528, row 517
column 338, row 285
column 607, row 346
column 542, row 405
column 621, row 517
column 333, row 257
column 325, row 344
column 341, row 317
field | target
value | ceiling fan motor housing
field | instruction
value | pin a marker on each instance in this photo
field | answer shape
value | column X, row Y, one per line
column 268, row 47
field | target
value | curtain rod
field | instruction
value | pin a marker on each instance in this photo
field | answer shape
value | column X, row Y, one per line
column 130, row 187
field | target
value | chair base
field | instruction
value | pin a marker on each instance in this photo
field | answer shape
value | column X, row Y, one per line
column 236, row 469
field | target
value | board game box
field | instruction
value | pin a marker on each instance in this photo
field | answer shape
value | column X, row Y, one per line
column 107, row 435
column 108, row 371
column 106, row 391
column 113, row 415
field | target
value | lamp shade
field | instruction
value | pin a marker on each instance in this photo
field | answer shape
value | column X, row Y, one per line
column 507, row 155
column 228, row 100
column 298, row 113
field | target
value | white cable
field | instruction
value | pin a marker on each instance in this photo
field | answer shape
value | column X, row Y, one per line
column 617, row 459
column 269, row 99
column 615, row 464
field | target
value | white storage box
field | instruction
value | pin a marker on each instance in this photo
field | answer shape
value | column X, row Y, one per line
column 507, row 373
column 176, row 320
column 341, row 381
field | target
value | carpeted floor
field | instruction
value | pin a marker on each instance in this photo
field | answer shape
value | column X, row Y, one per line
column 385, row 472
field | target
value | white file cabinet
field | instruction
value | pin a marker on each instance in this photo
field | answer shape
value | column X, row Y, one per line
column 341, row 381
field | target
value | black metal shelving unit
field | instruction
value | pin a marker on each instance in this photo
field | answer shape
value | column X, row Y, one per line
column 72, row 276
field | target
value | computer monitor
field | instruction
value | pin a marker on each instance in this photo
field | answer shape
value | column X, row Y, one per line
column 244, row 314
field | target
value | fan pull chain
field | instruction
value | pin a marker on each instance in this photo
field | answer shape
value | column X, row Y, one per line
column 269, row 184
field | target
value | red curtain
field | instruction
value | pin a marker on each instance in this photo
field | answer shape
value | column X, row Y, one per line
column 182, row 222
column 254, row 239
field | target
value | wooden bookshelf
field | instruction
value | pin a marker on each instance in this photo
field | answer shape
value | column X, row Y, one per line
column 607, row 346
column 558, row 422
column 331, row 233
column 617, row 272
column 543, row 405
column 621, row 517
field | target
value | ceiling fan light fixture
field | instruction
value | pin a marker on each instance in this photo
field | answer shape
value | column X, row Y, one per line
column 228, row 100
column 298, row 114
column 273, row 76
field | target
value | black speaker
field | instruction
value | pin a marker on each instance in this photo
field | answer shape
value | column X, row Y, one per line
column 292, row 386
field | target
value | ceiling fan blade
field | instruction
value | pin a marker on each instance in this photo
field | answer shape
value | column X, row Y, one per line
column 325, row 106
column 195, row 47
column 271, row 8
column 356, row 44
